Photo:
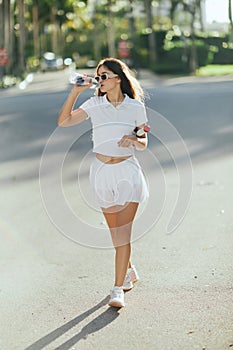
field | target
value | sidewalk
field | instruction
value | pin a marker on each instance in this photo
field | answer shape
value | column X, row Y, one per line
column 149, row 79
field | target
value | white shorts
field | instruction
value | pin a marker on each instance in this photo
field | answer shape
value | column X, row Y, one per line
column 116, row 184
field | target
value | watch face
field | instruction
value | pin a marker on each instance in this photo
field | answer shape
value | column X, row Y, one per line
column 140, row 132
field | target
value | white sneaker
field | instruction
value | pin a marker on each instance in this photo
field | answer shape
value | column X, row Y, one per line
column 117, row 297
column 130, row 278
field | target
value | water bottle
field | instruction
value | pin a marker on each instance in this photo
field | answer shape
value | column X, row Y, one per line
column 82, row 80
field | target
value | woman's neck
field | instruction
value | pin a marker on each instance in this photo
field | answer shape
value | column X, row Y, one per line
column 115, row 97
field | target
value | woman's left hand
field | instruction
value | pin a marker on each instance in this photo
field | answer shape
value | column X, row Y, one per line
column 127, row 141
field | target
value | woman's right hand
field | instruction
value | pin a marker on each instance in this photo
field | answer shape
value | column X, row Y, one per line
column 80, row 88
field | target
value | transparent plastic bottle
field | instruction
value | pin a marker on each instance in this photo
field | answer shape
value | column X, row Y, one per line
column 82, row 80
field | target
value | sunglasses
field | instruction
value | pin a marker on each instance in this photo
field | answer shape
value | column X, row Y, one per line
column 105, row 76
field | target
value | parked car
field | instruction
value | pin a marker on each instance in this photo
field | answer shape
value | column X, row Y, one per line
column 51, row 62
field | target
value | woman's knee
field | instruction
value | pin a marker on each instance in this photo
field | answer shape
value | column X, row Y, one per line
column 121, row 236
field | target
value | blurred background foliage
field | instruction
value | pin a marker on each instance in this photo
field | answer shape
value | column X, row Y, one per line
column 166, row 36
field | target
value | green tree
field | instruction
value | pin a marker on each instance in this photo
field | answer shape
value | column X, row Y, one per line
column 188, row 6
column 194, row 9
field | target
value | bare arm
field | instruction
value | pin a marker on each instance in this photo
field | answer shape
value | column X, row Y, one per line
column 132, row 140
column 68, row 116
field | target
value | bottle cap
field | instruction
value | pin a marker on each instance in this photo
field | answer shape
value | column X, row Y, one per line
column 147, row 128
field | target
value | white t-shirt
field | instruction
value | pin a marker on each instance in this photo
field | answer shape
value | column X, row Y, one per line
column 110, row 124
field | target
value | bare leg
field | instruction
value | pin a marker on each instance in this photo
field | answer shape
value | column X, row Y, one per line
column 119, row 220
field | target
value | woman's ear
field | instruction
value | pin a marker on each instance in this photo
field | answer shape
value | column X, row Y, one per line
column 118, row 79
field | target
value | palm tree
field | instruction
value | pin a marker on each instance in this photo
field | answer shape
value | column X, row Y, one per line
column 35, row 21
column 22, row 32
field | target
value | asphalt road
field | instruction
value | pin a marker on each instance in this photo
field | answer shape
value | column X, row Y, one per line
column 56, row 262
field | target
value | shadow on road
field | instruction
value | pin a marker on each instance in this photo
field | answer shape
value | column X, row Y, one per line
column 95, row 325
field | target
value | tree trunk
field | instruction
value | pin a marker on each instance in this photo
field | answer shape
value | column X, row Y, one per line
column 1, row 24
column 231, row 21
column 152, row 39
column 54, row 29
column 21, row 62
column 96, row 39
column 6, row 27
column 192, row 9
column 110, row 31
column 1, row 38
column 132, row 30
column 200, row 9
column 193, row 57
column 36, row 38
column 173, row 6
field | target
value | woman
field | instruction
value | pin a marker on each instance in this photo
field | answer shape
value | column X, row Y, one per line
column 115, row 175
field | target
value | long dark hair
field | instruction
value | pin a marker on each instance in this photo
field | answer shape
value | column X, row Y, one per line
column 129, row 84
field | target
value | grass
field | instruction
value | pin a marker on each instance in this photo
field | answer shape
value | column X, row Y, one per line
column 215, row 70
